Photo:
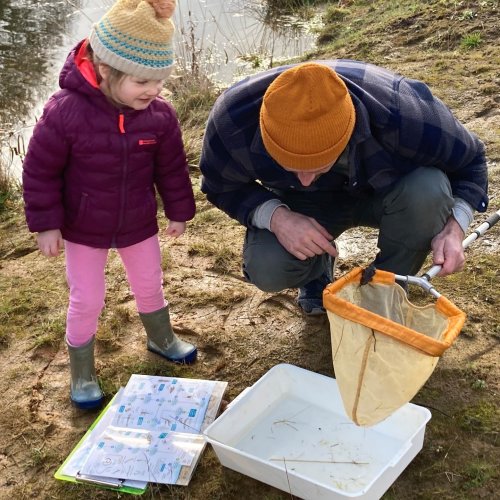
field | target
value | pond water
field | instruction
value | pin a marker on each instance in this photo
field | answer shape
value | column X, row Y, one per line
column 35, row 37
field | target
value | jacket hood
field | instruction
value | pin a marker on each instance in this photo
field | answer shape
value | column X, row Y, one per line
column 71, row 77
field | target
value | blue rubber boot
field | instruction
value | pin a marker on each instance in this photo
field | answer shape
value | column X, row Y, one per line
column 310, row 296
column 163, row 341
column 84, row 387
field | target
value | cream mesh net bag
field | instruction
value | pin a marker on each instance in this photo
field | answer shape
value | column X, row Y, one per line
column 384, row 347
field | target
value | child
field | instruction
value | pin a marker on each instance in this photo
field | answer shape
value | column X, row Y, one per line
column 102, row 145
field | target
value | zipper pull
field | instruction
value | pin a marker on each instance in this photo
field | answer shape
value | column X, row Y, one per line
column 121, row 123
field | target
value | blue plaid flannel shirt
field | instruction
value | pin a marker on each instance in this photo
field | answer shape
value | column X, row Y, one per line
column 400, row 126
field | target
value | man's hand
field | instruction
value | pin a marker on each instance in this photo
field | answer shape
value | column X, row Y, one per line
column 447, row 248
column 175, row 229
column 302, row 236
column 50, row 242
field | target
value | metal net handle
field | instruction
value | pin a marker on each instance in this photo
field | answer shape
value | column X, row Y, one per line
column 487, row 224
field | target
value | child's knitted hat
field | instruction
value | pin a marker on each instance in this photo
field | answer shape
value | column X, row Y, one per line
column 307, row 117
column 135, row 37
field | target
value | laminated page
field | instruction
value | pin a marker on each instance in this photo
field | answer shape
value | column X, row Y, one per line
column 164, row 403
column 73, row 466
column 150, row 432
column 142, row 455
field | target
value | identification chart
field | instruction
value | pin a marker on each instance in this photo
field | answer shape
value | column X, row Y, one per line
column 164, row 404
column 154, row 432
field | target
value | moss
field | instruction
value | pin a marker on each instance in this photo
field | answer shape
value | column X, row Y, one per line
column 482, row 417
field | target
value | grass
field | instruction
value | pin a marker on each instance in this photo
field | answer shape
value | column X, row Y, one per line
column 471, row 41
column 116, row 320
column 41, row 457
column 52, row 331
column 357, row 29
column 479, row 473
column 9, row 188
column 479, row 384
column 208, row 217
column 35, row 313
column 192, row 94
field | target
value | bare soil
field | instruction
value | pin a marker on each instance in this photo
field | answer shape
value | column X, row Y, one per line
column 242, row 332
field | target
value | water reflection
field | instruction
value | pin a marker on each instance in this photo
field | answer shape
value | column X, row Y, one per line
column 226, row 39
column 29, row 32
column 221, row 38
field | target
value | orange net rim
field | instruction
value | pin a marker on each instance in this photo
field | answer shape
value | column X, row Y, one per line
column 419, row 341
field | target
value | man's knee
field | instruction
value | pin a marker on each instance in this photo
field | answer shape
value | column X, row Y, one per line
column 268, row 266
column 427, row 190
column 417, row 209
column 268, row 270
column 421, row 201
column 263, row 278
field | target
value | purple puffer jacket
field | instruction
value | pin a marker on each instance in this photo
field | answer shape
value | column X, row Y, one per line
column 91, row 168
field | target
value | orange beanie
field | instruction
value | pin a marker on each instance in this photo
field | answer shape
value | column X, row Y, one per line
column 307, row 117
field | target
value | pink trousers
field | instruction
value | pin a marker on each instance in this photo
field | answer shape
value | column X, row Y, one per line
column 87, row 288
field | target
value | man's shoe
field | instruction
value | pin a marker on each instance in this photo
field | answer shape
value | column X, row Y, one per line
column 310, row 297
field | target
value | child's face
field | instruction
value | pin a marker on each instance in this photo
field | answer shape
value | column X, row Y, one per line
column 137, row 93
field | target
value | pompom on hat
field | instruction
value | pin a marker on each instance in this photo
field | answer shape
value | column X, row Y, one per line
column 135, row 37
column 307, row 117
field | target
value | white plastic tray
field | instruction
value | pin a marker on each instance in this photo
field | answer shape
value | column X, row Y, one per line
column 290, row 430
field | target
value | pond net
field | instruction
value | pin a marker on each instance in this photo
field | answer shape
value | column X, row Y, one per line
column 384, row 347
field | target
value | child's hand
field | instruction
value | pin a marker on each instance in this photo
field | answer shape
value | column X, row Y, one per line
column 175, row 229
column 163, row 8
column 50, row 242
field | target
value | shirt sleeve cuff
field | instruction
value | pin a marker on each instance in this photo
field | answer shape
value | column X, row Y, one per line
column 463, row 214
column 261, row 216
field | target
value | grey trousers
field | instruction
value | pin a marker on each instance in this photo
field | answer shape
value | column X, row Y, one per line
column 408, row 216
